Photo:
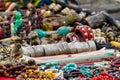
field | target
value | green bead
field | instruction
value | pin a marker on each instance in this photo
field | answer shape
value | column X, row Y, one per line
column 52, row 65
column 41, row 33
column 70, row 67
column 88, row 73
column 18, row 22
column 63, row 30
column 86, row 70
column 97, row 72
column 42, row 67
column 18, row 15
column 82, row 67
column 17, row 7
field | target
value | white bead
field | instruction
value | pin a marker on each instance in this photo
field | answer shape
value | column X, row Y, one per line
column 91, row 33
column 85, row 33
column 89, row 29
column 83, row 29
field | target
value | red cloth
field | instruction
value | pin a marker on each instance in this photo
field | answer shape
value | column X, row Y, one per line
column 1, row 78
column 1, row 32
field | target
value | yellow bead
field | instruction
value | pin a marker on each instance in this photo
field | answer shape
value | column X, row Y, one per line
column 25, row 76
column 45, row 79
column 36, row 71
column 31, row 73
column 30, row 70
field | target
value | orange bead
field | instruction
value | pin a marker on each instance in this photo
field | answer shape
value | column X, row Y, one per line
column 7, row 4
